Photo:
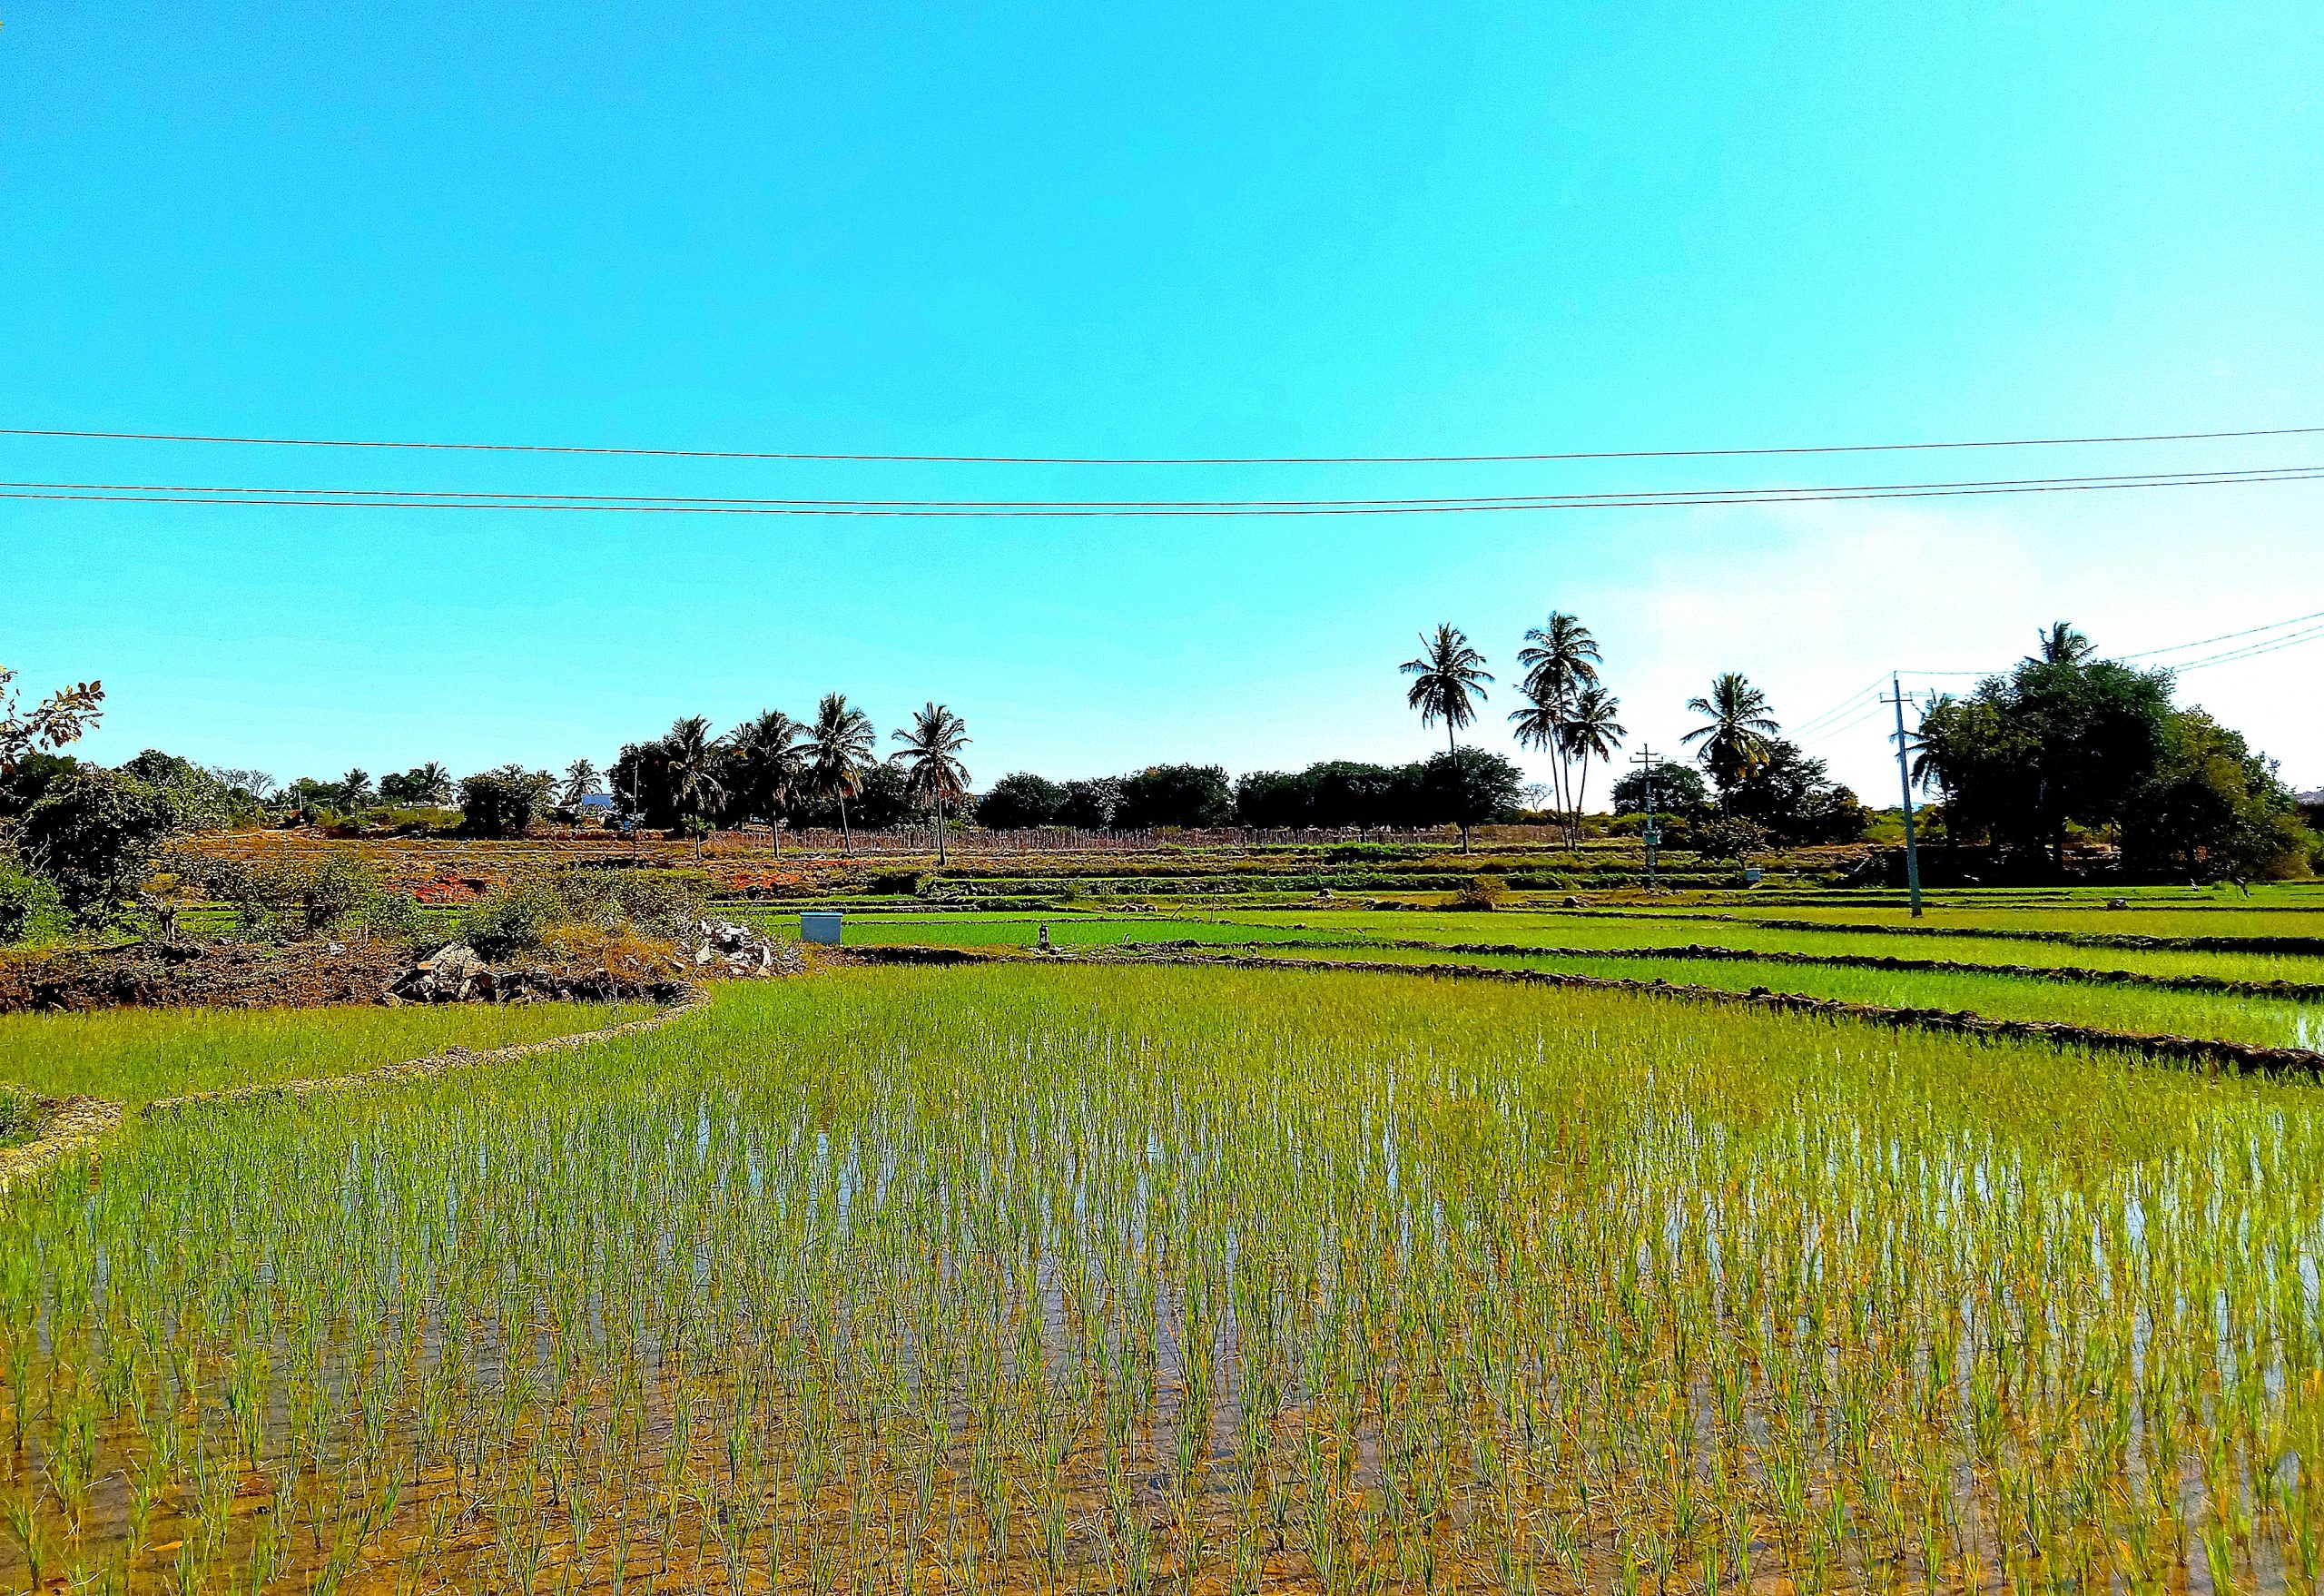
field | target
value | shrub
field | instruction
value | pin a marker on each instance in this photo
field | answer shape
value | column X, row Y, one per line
column 528, row 912
column 29, row 904
column 93, row 833
column 514, row 918
column 506, row 801
column 396, row 917
column 1483, row 893
column 1723, row 837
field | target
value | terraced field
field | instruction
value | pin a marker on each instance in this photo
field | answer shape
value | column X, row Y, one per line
column 1049, row 1277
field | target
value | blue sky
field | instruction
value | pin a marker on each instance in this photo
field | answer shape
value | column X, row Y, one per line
column 1308, row 229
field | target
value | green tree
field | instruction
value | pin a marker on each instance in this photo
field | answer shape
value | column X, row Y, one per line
column 1737, row 734
column 772, row 769
column 2054, row 744
column 2060, row 644
column 582, row 780
column 505, row 802
column 93, row 832
column 931, row 758
column 48, row 726
column 1466, row 787
column 1448, row 680
column 1561, row 658
column 2212, row 807
column 694, row 786
column 1019, row 802
column 1792, row 798
column 428, row 785
column 1590, row 732
column 840, row 751
column 1177, row 795
column 1678, row 790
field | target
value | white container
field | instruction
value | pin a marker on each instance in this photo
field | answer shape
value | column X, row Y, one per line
column 820, row 925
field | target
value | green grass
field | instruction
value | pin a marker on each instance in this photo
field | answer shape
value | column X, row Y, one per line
column 1046, row 1277
column 133, row 1056
column 1548, row 928
column 2209, row 921
column 1552, row 929
column 20, row 1116
column 2266, row 1022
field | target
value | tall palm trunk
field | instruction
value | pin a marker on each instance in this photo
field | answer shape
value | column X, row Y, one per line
column 1583, row 793
column 846, row 838
column 940, row 834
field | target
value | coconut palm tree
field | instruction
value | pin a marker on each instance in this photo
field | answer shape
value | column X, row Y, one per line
column 1448, row 674
column 1590, row 732
column 1540, row 724
column 693, row 754
column 581, row 779
column 839, row 749
column 2062, row 644
column 1737, row 733
column 433, row 783
column 774, row 765
column 1561, row 658
column 933, row 774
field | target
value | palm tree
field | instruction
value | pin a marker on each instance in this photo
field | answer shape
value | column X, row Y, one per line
column 1592, row 732
column 1561, row 658
column 933, row 774
column 774, row 763
column 1737, row 733
column 581, row 779
column 692, row 754
column 1541, row 724
column 1449, row 671
column 839, row 749
column 2062, row 644
column 435, row 783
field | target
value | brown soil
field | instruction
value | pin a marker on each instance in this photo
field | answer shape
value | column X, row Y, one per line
column 219, row 975
column 296, row 975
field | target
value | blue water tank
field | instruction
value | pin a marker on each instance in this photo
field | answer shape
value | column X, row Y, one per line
column 820, row 925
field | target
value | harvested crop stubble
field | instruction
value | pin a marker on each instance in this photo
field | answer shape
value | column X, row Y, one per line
column 1049, row 1277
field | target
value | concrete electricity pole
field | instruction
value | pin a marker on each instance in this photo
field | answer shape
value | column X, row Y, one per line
column 1645, row 761
column 1904, row 775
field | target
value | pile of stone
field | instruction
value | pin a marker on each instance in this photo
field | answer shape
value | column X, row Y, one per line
column 722, row 948
column 456, row 973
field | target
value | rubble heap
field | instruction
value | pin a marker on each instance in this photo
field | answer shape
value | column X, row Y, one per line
column 724, row 948
column 455, row 972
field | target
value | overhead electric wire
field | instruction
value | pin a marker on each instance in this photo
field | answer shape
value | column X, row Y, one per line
column 2224, row 636
column 975, row 459
column 2307, row 634
column 448, row 498
column 1845, row 705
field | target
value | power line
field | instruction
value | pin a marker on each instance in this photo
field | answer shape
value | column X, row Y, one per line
column 2223, row 636
column 1003, row 509
column 1851, row 702
column 2307, row 634
column 972, row 460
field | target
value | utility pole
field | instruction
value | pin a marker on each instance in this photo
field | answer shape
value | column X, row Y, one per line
column 1904, row 778
column 1645, row 761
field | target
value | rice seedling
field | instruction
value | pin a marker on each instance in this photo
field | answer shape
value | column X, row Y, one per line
column 2268, row 1022
column 133, row 1056
column 1055, row 1278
